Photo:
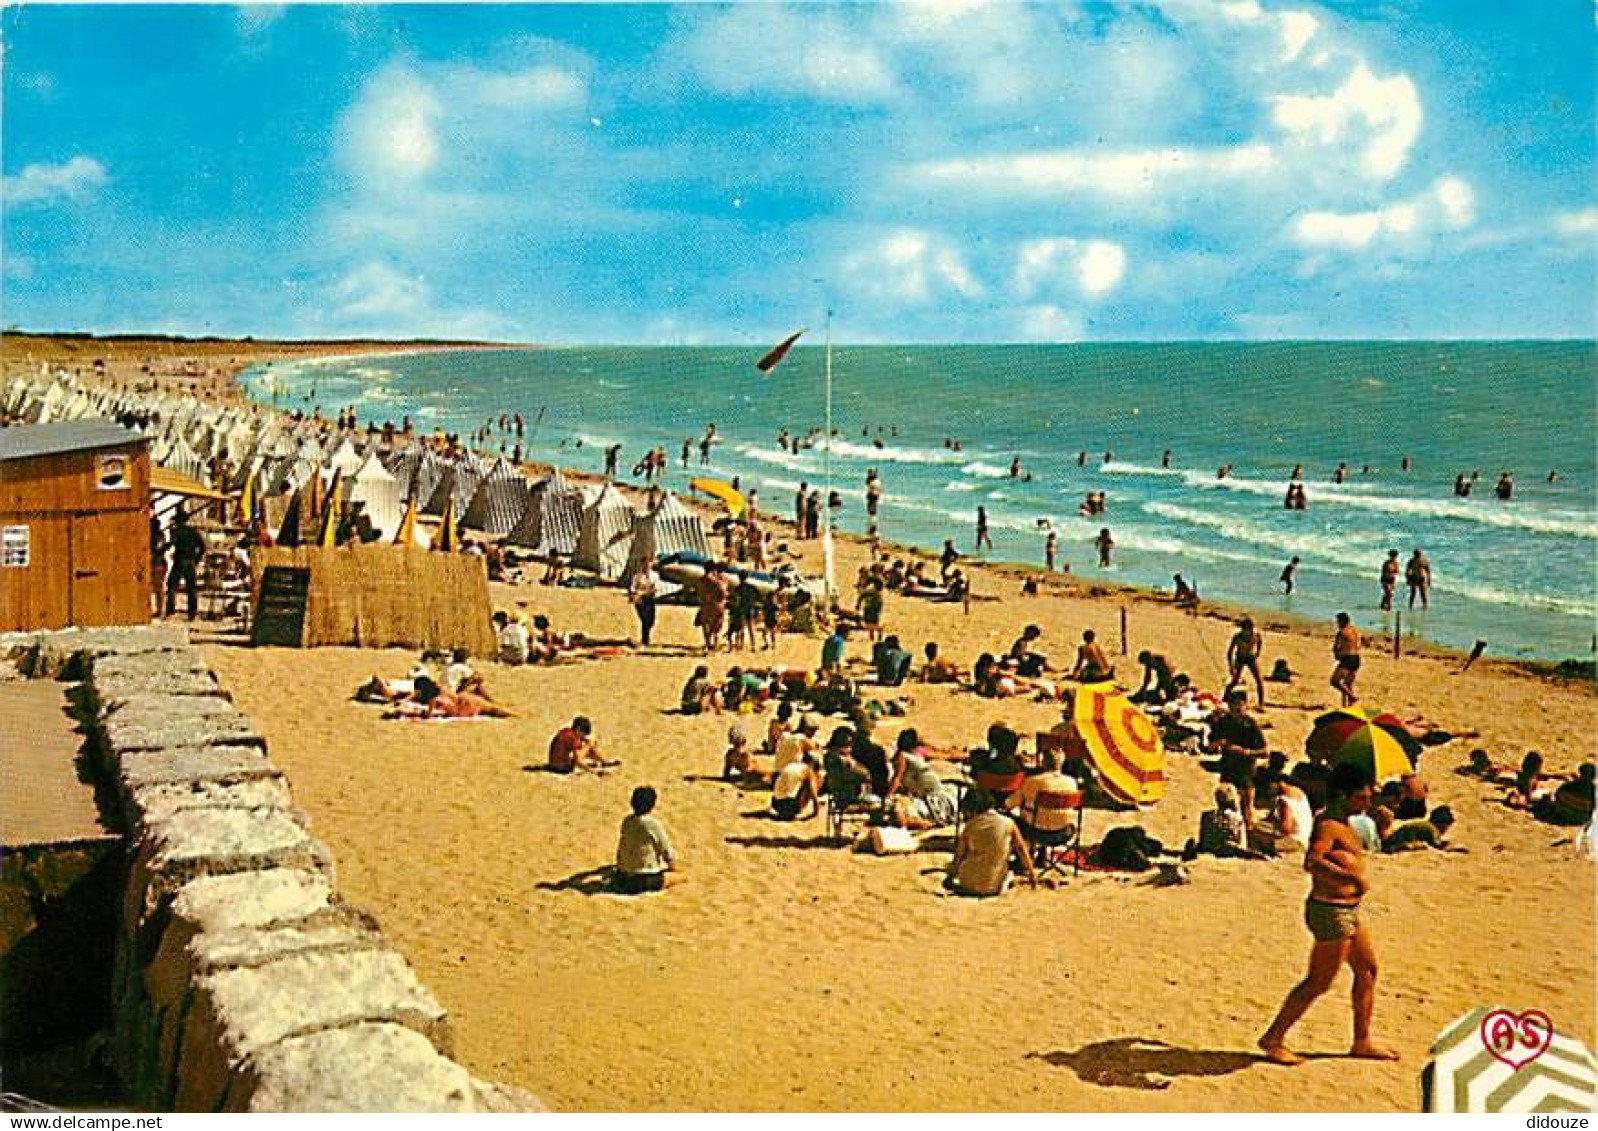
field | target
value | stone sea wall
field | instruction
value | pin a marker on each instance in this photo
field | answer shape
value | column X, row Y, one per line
column 242, row 981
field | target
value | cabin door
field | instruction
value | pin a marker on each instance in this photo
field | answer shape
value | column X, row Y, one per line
column 110, row 569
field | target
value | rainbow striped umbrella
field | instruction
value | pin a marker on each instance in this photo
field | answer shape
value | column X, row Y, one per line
column 1122, row 744
column 1376, row 740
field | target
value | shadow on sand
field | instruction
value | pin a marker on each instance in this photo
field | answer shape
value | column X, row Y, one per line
column 1136, row 1062
column 593, row 881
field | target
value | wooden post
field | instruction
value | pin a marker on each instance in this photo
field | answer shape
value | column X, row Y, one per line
column 1398, row 633
column 1123, row 630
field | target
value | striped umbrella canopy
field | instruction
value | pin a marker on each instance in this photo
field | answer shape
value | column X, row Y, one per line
column 1122, row 743
column 1376, row 740
column 1495, row 1061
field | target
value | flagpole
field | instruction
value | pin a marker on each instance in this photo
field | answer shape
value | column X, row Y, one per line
column 826, row 475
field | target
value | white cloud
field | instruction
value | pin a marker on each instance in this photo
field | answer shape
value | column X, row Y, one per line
column 1046, row 323
column 542, row 86
column 75, row 179
column 1298, row 28
column 1387, row 111
column 376, row 297
column 909, row 267
column 391, row 131
column 1112, row 173
column 766, row 47
column 1581, row 224
column 1449, row 203
column 1093, row 268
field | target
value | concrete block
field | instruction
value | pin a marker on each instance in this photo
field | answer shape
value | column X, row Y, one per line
column 66, row 652
column 213, row 842
column 125, row 733
column 152, row 708
column 364, row 1067
column 184, row 765
column 252, row 899
column 236, row 1014
column 154, row 803
column 142, row 665
column 112, row 692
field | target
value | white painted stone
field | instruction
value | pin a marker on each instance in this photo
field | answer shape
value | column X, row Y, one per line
column 364, row 1067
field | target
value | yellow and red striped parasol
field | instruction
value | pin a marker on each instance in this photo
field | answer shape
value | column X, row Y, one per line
column 1122, row 743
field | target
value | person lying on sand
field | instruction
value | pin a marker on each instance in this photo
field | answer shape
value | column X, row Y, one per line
column 1407, row 836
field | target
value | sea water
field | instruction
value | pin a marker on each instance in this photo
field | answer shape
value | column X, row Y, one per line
column 1519, row 574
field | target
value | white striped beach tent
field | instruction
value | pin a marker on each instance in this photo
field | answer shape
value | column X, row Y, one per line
column 498, row 502
column 443, row 492
column 1465, row 1076
column 380, row 495
column 182, row 458
column 345, row 459
column 606, row 536
column 552, row 519
column 670, row 528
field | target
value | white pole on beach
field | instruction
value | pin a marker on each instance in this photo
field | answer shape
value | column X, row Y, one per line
column 826, row 476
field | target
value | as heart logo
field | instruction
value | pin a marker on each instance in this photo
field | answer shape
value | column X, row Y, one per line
column 1517, row 1039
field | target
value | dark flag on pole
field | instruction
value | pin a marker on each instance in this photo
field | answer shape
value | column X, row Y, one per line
column 778, row 352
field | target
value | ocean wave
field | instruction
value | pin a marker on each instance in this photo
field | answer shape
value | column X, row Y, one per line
column 1486, row 512
column 959, row 485
column 985, row 470
column 1357, row 554
column 870, row 453
column 1117, row 467
column 779, row 458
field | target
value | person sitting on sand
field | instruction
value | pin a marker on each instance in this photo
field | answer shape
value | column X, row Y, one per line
column 1528, row 786
column 983, row 850
column 546, row 644
column 892, row 663
column 1024, row 801
column 573, row 748
column 1411, row 798
column 1221, row 829
column 796, row 785
column 645, row 859
column 777, row 728
column 1027, row 661
column 460, row 676
column 1156, row 671
column 699, row 693
column 938, row 669
column 1092, row 665
column 1288, row 821
column 846, row 778
column 1185, row 595
column 798, row 742
column 996, row 767
column 920, row 799
column 736, row 763
column 1572, row 803
column 511, row 639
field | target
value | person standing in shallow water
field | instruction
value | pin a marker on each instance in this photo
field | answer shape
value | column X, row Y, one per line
column 1389, row 579
column 983, row 537
column 1337, row 867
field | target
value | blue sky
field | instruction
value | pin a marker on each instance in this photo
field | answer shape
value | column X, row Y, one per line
column 943, row 171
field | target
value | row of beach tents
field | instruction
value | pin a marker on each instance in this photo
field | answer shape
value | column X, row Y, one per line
column 266, row 456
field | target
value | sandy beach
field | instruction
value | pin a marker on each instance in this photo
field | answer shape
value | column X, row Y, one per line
column 1105, row 993
column 789, row 973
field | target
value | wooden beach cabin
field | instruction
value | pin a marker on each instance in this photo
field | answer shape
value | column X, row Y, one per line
column 74, row 525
